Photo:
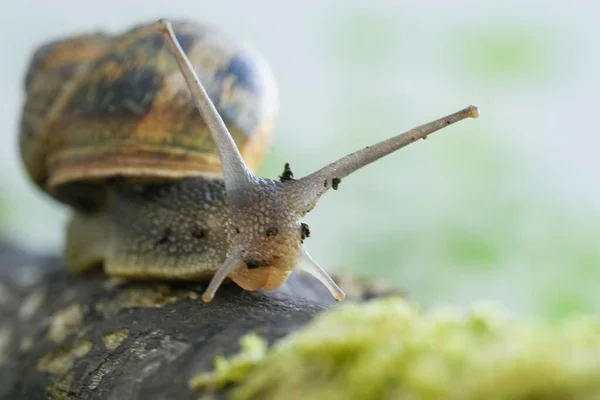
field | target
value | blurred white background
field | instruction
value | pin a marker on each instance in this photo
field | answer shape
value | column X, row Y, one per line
column 504, row 208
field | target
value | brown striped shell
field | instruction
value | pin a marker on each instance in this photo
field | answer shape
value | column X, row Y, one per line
column 101, row 106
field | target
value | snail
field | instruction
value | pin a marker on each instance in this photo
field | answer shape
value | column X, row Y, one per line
column 152, row 136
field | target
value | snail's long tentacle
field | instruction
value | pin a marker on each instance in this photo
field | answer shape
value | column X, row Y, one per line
column 305, row 192
column 235, row 172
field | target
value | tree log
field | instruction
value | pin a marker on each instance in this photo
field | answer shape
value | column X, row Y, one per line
column 94, row 337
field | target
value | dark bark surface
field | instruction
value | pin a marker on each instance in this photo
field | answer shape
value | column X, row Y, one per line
column 93, row 337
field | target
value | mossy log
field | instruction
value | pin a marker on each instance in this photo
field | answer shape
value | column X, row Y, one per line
column 95, row 337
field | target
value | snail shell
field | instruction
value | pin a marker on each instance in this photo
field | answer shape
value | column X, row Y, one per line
column 100, row 107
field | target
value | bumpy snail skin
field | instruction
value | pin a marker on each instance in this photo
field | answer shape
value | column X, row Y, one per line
column 177, row 230
column 269, row 235
column 185, row 230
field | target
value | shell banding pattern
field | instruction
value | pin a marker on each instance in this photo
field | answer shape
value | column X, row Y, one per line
column 101, row 106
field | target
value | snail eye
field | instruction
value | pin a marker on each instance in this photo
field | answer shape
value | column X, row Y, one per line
column 271, row 231
column 252, row 264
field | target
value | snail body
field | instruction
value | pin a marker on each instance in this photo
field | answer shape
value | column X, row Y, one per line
column 109, row 123
column 159, row 190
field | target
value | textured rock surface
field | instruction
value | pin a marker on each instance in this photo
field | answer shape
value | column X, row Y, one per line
column 93, row 337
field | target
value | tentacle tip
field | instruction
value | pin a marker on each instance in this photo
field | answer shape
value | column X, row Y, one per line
column 207, row 297
column 339, row 296
column 163, row 25
column 473, row 111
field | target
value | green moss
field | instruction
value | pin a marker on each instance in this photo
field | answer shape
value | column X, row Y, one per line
column 59, row 364
column 158, row 295
column 235, row 369
column 389, row 349
column 112, row 340
column 65, row 322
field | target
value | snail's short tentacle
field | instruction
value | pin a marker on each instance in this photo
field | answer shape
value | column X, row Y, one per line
column 307, row 264
column 228, row 266
column 235, row 172
column 305, row 192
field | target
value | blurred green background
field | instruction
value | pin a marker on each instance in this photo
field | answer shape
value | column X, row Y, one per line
column 504, row 208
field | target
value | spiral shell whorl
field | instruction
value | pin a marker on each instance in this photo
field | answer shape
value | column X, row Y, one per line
column 99, row 106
